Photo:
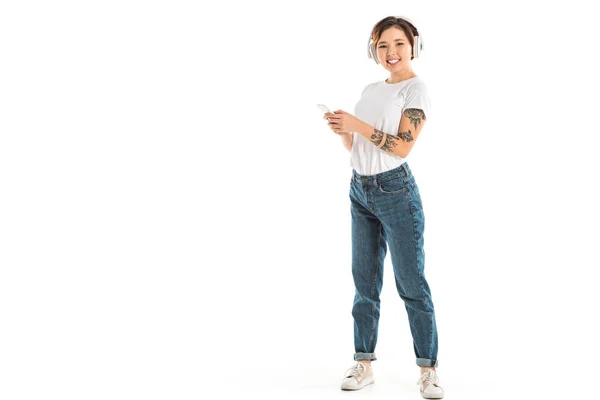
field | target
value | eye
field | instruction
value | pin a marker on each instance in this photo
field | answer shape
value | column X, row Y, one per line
column 382, row 46
column 400, row 44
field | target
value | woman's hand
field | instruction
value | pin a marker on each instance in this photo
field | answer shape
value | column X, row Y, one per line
column 342, row 122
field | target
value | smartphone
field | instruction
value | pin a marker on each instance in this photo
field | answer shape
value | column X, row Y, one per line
column 324, row 108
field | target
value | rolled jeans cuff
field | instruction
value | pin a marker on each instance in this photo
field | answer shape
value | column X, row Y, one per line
column 426, row 362
column 364, row 356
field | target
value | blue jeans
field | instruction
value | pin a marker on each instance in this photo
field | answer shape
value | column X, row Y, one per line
column 387, row 211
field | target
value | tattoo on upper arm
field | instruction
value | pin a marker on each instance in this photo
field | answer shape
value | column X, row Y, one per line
column 416, row 115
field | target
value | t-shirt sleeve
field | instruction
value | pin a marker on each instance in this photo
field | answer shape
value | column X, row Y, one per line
column 417, row 96
column 365, row 89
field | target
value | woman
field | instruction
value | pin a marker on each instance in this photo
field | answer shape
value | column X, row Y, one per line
column 385, row 202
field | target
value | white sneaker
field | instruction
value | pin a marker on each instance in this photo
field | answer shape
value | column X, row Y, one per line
column 430, row 385
column 357, row 377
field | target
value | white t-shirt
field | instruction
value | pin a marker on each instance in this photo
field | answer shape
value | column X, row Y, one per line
column 381, row 106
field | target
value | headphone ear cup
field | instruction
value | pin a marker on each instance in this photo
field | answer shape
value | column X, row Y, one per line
column 372, row 52
column 418, row 47
column 416, row 50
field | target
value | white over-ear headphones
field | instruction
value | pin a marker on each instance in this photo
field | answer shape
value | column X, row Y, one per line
column 416, row 49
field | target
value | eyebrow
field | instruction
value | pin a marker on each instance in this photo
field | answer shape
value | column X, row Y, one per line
column 396, row 40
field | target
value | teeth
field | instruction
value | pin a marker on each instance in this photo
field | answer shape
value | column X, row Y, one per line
column 393, row 61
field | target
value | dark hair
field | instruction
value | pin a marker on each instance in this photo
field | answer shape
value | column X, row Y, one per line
column 388, row 22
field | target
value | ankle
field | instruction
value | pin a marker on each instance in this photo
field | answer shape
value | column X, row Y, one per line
column 368, row 362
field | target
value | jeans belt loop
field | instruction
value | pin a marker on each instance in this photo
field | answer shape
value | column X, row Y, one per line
column 375, row 182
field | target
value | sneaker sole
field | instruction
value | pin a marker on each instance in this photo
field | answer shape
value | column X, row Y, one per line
column 432, row 397
column 358, row 388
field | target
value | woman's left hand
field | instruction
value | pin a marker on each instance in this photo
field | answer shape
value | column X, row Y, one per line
column 341, row 121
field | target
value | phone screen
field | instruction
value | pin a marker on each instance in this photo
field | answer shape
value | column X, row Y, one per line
column 324, row 108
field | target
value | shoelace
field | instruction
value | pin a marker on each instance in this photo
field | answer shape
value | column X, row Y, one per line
column 428, row 378
column 357, row 369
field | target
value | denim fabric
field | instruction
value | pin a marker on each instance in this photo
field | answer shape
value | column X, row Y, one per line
column 387, row 211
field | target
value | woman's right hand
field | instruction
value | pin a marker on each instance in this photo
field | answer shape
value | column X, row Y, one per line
column 331, row 126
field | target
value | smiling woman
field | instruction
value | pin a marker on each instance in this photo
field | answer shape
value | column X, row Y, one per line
column 385, row 202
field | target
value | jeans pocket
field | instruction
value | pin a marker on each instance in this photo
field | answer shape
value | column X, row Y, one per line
column 392, row 186
column 415, row 189
column 416, row 204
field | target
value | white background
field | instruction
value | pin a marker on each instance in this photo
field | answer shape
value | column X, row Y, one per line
column 175, row 219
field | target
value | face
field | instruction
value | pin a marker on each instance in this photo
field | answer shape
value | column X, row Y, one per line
column 394, row 46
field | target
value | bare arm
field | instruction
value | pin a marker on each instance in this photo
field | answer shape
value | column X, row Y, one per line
column 347, row 140
column 400, row 144
column 347, row 137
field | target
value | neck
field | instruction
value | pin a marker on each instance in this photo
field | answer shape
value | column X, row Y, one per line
column 400, row 76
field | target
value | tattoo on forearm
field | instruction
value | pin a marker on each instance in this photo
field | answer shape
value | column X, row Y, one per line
column 406, row 136
column 415, row 115
column 391, row 141
column 377, row 136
